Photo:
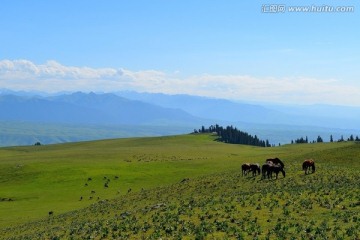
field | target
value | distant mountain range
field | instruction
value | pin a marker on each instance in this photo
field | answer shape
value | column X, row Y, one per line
column 91, row 108
column 146, row 114
column 239, row 112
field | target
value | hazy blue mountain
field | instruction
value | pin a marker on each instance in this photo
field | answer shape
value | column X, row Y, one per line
column 36, row 109
column 230, row 111
column 79, row 116
column 88, row 109
column 26, row 119
column 322, row 115
column 119, row 110
column 210, row 108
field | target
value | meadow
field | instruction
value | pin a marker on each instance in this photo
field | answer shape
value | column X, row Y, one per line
column 177, row 187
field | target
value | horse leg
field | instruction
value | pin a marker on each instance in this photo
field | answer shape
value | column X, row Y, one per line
column 264, row 173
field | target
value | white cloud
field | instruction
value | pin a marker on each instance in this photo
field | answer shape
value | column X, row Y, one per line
column 52, row 69
column 53, row 77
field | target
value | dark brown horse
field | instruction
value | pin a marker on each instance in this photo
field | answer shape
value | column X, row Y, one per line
column 250, row 167
column 269, row 168
column 245, row 168
column 275, row 161
column 255, row 169
column 307, row 164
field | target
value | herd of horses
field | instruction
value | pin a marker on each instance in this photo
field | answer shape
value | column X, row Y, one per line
column 273, row 166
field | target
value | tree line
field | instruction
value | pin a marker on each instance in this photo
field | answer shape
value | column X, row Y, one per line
column 232, row 135
column 320, row 139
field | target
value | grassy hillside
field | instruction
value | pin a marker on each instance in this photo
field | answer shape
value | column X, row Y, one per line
column 181, row 186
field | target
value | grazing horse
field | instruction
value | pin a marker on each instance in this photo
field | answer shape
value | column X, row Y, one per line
column 269, row 168
column 245, row 168
column 254, row 168
column 307, row 164
column 275, row 161
column 276, row 169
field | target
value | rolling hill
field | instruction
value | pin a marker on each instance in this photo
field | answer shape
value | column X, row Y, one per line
column 187, row 186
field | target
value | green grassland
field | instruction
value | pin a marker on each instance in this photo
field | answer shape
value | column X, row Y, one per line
column 182, row 187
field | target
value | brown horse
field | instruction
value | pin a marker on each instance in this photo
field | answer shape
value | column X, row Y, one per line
column 307, row 164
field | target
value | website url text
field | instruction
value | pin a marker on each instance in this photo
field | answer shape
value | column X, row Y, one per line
column 282, row 8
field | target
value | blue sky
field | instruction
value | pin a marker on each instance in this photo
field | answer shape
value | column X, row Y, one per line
column 227, row 49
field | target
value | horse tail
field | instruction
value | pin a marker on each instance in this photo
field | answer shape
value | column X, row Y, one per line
column 283, row 172
column 313, row 167
column 304, row 166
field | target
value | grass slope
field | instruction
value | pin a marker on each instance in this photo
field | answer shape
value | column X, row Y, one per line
column 214, row 202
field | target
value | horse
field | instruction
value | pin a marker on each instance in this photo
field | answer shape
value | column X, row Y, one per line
column 275, row 161
column 269, row 168
column 254, row 168
column 276, row 169
column 250, row 167
column 245, row 168
column 307, row 164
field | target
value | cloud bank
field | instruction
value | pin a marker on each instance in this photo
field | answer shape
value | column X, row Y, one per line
column 54, row 77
